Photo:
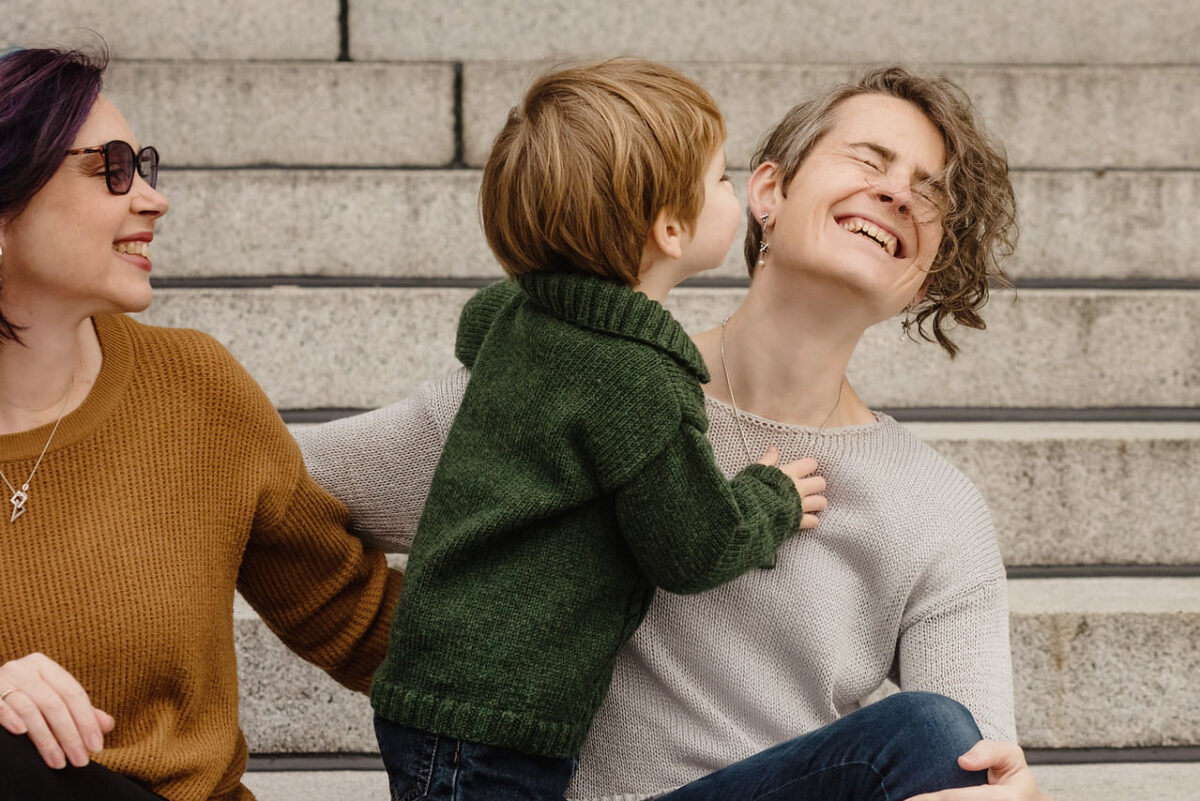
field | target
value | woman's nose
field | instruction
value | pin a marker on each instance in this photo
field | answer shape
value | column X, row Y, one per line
column 901, row 198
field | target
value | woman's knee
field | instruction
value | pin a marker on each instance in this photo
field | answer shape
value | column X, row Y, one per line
column 929, row 732
column 934, row 723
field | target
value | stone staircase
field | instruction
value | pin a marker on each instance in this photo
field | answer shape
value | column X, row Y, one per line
column 322, row 162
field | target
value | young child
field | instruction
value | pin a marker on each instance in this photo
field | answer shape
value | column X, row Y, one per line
column 576, row 477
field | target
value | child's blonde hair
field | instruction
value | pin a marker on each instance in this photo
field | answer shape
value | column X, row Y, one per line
column 589, row 159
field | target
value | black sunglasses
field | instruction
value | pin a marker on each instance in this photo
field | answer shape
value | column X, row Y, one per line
column 120, row 162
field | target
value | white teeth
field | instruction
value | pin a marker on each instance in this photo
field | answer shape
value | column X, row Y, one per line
column 135, row 248
column 885, row 240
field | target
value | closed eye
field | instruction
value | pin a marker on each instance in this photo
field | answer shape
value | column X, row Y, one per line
column 932, row 193
column 873, row 165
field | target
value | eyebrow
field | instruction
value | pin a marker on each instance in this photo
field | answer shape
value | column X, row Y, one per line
column 889, row 157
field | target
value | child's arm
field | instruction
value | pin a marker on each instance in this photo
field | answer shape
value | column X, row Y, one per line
column 691, row 529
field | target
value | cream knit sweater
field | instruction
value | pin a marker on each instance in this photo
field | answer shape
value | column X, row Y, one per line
column 902, row 578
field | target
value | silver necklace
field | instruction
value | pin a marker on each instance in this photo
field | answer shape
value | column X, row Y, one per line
column 20, row 496
column 737, row 415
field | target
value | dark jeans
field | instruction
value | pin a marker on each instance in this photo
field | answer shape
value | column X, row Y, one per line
column 25, row 777
column 902, row 746
column 429, row 766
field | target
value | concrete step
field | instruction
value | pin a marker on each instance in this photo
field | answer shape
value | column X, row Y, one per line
column 320, row 785
column 303, row 29
column 370, row 114
column 1106, row 662
column 1161, row 781
column 1098, row 663
column 396, row 224
column 1074, row 31
column 1083, row 493
column 1080, row 494
column 1048, row 117
column 237, row 114
column 1062, row 348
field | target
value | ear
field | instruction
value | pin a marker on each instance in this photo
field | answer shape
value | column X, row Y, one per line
column 667, row 236
column 763, row 190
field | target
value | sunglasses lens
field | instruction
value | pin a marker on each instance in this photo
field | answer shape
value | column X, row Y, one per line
column 148, row 166
column 118, row 157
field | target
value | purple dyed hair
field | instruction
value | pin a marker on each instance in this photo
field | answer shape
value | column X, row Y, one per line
column 45, row 97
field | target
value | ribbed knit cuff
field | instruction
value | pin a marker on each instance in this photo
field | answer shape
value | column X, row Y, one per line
column 776, row 479
column 783, row 488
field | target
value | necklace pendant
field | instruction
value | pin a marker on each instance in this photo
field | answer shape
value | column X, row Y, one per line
column 18, row 503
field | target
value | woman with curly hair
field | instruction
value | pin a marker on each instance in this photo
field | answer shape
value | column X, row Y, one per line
column 879, row 198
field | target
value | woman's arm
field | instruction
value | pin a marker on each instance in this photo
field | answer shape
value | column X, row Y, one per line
column 957, row 644
column 953, row 635
column 380, row 464
column 961, row 649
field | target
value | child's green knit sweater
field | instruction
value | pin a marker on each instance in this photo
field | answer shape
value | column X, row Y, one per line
column 576, row 478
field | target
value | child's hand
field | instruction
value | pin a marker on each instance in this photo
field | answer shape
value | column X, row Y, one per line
column 809, row 486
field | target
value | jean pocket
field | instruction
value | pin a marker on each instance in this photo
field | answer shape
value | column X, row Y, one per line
column 410, row 757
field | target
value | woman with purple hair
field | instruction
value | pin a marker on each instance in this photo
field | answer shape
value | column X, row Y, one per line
column 147, row 476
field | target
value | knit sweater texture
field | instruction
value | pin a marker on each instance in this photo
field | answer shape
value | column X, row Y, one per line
column 901, row 579
column 174, row 483
column 575, row 479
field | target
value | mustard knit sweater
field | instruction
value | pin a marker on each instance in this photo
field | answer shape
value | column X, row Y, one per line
column 174, row 483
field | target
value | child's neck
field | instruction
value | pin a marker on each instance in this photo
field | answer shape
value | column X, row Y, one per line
column 656, row 284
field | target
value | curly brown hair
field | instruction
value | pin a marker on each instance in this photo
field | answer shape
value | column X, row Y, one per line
column 979, row 223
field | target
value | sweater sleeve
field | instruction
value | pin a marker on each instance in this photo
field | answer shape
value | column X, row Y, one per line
column 380, row 464
column 324, row 595
column 691, row 529
column 954, row 636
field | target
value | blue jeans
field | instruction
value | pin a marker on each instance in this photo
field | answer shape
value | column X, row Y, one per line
column 902, row 746
column 429, row 766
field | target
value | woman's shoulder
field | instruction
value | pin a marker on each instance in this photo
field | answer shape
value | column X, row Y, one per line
column 191, row 366
column 941, row 502
column 184, row 349
column 912, row 461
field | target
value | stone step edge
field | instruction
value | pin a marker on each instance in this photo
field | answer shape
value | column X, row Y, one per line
column 1163, row 781
column 1034, row 596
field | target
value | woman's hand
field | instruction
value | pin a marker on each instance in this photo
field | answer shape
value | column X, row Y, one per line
column 1009, row 778
column 40, row 699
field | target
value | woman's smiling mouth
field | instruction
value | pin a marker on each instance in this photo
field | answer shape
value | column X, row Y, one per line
column 889, row 243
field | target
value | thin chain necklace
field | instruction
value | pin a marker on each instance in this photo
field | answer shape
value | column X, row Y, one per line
column 20, row 496
column 737, row 415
